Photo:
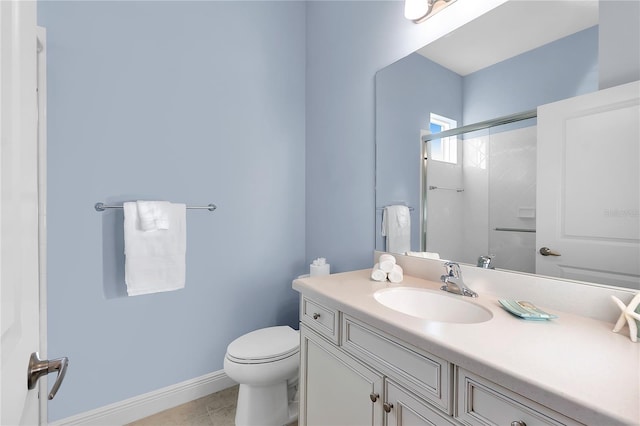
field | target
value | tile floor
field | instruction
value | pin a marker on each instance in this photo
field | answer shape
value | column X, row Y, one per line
column 217, row 409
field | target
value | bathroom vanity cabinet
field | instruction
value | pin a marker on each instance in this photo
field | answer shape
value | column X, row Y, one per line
column 371, row 378
column 340, row 389
column 361, row 366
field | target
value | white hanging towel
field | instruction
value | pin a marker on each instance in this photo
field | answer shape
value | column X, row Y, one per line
column 154, row 258
column 396, row 226
column 154, row 215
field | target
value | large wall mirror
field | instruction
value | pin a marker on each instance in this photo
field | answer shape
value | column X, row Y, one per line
column 475, row 193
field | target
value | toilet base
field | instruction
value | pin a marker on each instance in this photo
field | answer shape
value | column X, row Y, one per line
column 267, row 405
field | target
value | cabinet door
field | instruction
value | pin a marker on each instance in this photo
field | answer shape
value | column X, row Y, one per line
column 424, row 374
column 403, row 408
column 335, row 389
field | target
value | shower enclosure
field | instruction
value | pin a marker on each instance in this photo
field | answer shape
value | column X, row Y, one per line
column 479, row 197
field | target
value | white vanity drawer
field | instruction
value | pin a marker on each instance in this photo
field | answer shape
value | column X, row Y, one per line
column 481, row 402
column 322, row 319
column 421, row 372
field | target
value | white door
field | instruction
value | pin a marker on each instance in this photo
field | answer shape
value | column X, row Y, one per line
column 19, row 266
column 589, row 187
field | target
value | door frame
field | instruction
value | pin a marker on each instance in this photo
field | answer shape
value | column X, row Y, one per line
column 41, row 36
column 19, row 109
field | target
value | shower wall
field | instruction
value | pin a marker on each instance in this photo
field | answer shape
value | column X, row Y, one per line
column 498, row 175
column 475, row 159
column 499, row 178
column 445, row 210
column 512, row 199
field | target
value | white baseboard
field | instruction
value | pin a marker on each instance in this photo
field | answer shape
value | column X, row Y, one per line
column 144, row 405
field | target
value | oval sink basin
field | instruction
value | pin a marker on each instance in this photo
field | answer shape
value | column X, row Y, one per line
column 432, row 306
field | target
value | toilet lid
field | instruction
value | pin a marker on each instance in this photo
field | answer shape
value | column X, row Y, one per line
column 266, row 344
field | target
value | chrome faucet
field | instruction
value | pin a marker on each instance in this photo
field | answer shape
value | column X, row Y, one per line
column 453, row 281
column 486, row 262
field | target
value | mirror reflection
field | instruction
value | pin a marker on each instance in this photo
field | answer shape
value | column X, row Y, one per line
column 474, row 194
column 485, row 187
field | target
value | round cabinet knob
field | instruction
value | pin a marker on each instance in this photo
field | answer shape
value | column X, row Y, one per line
column 374, row 396
column 316, row 315
column 518, row 423
column 387, row 406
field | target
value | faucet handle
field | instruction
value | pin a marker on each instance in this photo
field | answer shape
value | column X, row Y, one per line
column 485, row 261
column 453, row 269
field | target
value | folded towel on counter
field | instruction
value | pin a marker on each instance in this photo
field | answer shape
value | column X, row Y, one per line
column 424, row 254
column 378, row 274
column 154, row 215
column 396, row 274
column 396, row 226
column 155, row 261
column 386, row 262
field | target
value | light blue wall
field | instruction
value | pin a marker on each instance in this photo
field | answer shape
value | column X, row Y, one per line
column 193, row 102
column 407, row 92
column 619, row 42
column 559, row 70
column 205, row 102
column 347, row 43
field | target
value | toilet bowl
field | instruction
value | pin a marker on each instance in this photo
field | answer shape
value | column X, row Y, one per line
column 265, row 363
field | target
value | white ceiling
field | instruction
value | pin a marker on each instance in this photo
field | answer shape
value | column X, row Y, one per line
column 515, row 27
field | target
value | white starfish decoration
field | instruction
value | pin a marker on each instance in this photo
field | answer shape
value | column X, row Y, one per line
column 628, row 315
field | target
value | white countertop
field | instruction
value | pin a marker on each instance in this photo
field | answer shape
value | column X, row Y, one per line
column 573, row 364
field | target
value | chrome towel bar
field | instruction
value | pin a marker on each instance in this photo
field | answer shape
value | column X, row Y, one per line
column 100, row 207
column 515, row 229
column 432, row 187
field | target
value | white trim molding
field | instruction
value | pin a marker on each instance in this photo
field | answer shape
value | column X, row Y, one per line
column 41, row 61
column 150, row 403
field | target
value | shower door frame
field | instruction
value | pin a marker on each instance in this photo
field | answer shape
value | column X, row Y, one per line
column 426, row 136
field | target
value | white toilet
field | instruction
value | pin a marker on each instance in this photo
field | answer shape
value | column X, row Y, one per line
column 265, row 363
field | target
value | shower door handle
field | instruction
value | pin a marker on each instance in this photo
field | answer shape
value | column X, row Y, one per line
column 38, row 368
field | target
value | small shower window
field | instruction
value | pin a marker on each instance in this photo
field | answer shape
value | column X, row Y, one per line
column 443, row 149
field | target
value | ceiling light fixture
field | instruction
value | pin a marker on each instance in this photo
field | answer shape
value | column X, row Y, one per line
column 420, row 10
